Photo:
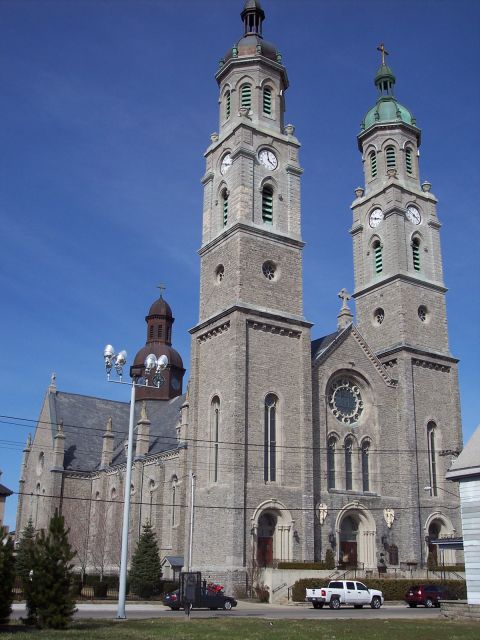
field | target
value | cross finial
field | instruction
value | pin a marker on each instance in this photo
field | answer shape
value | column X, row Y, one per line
column 345, row 297
column 162, row 288
column 384, row 52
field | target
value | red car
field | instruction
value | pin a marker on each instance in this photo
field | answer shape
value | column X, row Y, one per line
column 428, row 595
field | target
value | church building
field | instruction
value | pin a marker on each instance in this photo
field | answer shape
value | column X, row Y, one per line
column 289, row 446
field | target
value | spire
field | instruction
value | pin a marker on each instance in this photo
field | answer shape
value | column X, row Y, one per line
column 253, row 16
column 384, row 80
column 345, row 317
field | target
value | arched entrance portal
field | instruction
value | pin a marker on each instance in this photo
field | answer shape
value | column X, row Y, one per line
column 272, row 532
column 348, row 542
column 438, row 526
column 355, row 532
column 266, row 530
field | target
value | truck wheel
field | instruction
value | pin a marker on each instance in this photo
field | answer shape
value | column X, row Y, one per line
column 227, row 605
column 376, row 603
column 317, row 605
column 334, row 603
column 429, row 603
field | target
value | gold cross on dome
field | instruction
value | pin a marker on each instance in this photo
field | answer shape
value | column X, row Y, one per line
column 162, row 288
column 384, row 52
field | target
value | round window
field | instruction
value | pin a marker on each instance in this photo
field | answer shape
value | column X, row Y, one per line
column 269, row 270
column 219, row 273
column 423, row 313
column 378, row 316
column 345, row 401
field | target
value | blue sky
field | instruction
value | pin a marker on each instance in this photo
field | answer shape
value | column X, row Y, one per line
column 106, row 109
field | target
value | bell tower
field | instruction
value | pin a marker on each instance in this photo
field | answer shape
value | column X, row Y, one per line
column 399, row 288
column 250, row 387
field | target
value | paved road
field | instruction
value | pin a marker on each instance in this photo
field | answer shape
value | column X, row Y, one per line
column 248, row 610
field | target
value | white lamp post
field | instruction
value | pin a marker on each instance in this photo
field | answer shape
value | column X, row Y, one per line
column 153, row 365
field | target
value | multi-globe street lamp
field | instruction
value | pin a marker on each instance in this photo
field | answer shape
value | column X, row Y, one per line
column 152, row 377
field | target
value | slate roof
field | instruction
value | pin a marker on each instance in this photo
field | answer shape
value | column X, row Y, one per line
column 321, row 344
column 85, row 419
column 174, row 561
column 468, row 462
column 4, row 491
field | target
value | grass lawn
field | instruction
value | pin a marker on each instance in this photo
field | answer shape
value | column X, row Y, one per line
column 253, row 629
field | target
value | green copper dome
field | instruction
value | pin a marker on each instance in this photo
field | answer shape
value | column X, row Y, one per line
column 387, row 108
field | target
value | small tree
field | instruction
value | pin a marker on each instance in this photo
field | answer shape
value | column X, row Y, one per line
column 329, row 559
column 48, row 590
column 146, row 572
column 24, row 560
column 432, row 561
column 7, row 575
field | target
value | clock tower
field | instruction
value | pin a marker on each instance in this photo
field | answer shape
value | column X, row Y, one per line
column 250, row 388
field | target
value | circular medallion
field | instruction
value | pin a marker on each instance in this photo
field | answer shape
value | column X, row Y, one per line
column 345, row 401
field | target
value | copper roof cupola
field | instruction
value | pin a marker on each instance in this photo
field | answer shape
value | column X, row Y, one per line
column 159, row 342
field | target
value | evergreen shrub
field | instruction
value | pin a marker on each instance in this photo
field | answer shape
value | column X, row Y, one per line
column 7, row 575
column 146, row 572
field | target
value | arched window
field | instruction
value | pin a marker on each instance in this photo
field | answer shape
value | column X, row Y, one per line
column 214, row 438
column 159, row 330
column 377, row 256
column 331, row 446
column 348, row 464
column 174, row 501
column 416, row 253
column 432, row 457
column 246, row 96
column 391, row 159
column 228, row 104
column 373, row 164
column 270, row 439
column 365, row 466
column 267, row 101
column 409, row 160
column 267, row 204
column 225, row 207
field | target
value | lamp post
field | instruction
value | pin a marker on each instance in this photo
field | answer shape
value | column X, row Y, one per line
column 153, row 367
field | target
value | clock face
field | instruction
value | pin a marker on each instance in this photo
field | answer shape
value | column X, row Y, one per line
column 413, row 214
column 226, row 164
column 375, row 218
column 268, row 159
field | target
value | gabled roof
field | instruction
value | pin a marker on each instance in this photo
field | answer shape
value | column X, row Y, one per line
column 84, row 422
column 173, row 561
column 323, row 347
column 467, row 465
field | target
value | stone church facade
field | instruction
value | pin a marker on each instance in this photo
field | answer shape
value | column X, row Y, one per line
column 291, row 446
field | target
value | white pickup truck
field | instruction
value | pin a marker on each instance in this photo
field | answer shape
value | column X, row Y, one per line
column 348, row 592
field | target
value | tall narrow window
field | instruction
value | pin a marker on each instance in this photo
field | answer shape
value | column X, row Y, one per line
column 431, row 428
column 270, row 439
column 409, row 160
column 225, row 207
column 416, row 254
column 160, row 331
column 365, row 466
column 267, row 205
column 228, row 104
column 267, row 101
column 348, row 465
column 174, row 501
column 373, row 164
column 150, row 333
column 391, row 159
column 246, row 96
column 215, row 431
column 377, row 256
column 331, row 446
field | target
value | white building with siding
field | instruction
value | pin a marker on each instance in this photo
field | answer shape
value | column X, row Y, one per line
column 466, row 471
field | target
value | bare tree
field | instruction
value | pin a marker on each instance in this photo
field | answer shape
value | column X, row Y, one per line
column 77, row 516
column 100, row 536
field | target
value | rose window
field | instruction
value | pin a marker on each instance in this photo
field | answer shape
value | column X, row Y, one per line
column 345, row 401
column 268, row 270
